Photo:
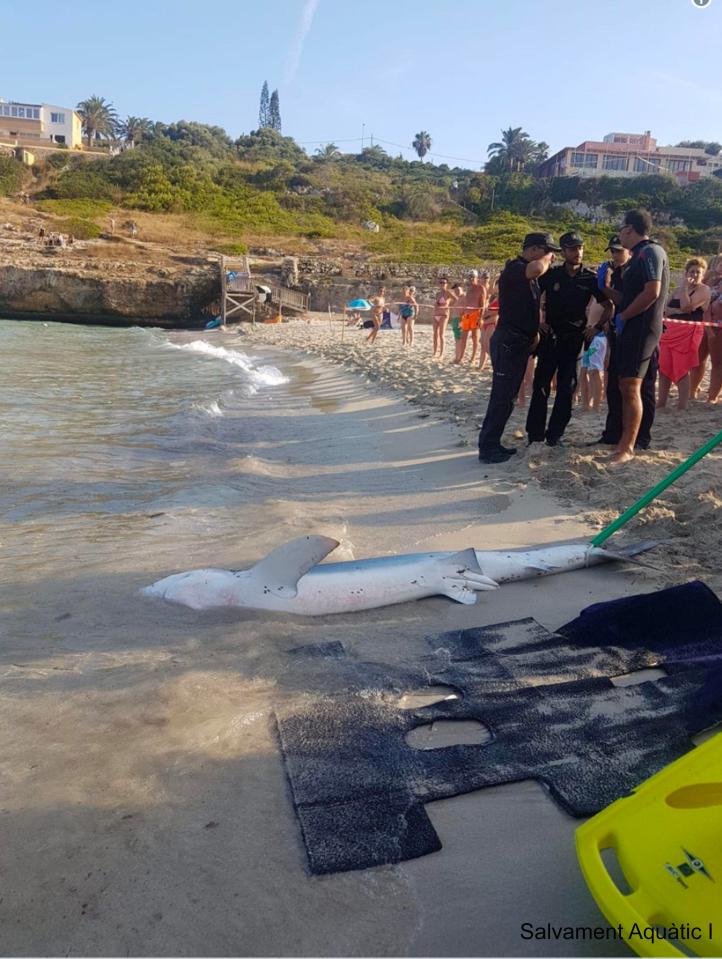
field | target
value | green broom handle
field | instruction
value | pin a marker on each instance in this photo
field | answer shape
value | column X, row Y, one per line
column 656, row 490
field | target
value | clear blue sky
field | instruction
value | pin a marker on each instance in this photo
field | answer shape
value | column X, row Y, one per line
column 564, row 71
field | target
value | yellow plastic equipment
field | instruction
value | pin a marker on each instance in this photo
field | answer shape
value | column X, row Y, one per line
column 667, row 836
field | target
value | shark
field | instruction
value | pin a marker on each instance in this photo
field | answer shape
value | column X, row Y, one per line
column 293, row 578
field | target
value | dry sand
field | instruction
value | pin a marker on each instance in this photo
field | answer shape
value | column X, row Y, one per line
column 145, row 809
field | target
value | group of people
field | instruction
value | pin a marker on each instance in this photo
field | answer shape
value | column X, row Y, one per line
column 544, row 312
column 55, row 239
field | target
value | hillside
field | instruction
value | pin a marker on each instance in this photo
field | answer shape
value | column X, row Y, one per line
column 189, row 186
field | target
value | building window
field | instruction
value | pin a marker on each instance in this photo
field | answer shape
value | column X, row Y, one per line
column 36, row 113
column 584, row 159
column 614, row 163
column 21, row 111
column 646, row 165
column 13, row 111
column 57, row 118
column 677, row 165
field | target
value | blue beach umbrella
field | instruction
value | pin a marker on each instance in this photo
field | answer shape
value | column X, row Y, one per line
column 358, row 305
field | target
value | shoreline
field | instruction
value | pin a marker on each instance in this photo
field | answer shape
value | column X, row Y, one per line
column 686, row 516
column 176, row 834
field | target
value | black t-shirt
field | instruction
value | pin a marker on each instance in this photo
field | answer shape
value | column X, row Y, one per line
column 649, row 262
column 518, row 299
column 567, row 298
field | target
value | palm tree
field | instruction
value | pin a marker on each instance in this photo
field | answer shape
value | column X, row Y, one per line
column 328, row 151
column 541, row 152
column 133, row 129
column 99, row 118
column 514, row 150
column 422, row 144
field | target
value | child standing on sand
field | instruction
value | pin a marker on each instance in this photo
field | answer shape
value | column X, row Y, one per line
column 408, row 311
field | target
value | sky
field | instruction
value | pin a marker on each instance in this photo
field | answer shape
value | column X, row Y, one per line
column 462, row 71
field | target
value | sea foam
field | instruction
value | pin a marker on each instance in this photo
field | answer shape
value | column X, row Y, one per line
column 255, row 378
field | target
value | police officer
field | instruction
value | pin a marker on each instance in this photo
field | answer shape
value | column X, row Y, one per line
column 645, row 288
column 568, row 290
column 515, row 337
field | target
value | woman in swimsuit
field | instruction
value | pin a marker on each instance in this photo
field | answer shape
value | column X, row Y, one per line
column 408, row 311
column 679, row 346
column 442, row 308
column 378, row 303
column 488, row 323
column 714, row 340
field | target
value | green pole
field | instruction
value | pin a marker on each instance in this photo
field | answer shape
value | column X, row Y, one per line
column 656, row 490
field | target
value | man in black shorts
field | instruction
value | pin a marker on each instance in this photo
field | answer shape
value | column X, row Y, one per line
column 568, row 290
column 515, row 337
column 645, row 288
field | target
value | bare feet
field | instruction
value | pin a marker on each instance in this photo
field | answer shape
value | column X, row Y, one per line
column 621, row 456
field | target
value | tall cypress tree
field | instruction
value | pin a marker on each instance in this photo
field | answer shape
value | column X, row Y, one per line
column 274, row 112
column 264, row 119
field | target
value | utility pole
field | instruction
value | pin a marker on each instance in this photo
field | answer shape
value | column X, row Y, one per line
column 363, row 127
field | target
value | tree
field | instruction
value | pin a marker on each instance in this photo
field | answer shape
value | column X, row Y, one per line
column 264, row 107
column 99, row 118
column 515, row 149
column 540, row 152
column 134, row 129
column 329, row 151
column 422, row 144
column 274, row 112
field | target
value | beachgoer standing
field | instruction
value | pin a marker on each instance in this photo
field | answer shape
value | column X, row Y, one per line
column 408, row 311
column 679, row 346
column 488, row 325
column 714, row 339
column 378, row 303
column 471, row 308
column 442, row 308
column 714, row 271
column 515, row 337
column 568, row 290
column 645, row 287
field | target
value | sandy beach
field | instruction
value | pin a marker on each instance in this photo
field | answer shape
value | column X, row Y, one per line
column 146, row 808
column 687, row 515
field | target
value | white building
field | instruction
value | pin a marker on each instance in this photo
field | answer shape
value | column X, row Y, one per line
column 43, row 124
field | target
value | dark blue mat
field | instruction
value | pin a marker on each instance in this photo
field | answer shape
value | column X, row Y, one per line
column 555, row 716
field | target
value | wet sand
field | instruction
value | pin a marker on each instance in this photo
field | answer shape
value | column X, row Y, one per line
column 146, row 810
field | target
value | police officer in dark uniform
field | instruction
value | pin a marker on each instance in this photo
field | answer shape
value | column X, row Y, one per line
column 514, row 339
column 568, row 290
column 610, row 276
column 645, row 288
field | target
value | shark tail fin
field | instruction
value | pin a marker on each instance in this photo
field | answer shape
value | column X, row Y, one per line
column 629, row 553
column 280, row 571
column 462, row 577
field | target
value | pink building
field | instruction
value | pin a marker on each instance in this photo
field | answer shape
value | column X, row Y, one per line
column 630, row 154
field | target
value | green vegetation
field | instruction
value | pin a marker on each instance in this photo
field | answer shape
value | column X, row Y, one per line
column 12, row 174
column 265, row 186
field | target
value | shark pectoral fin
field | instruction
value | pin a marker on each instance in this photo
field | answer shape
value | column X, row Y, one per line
column 457, row 591
column 281, row 570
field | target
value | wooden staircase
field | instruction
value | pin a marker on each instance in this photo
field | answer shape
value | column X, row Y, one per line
column 240, row 294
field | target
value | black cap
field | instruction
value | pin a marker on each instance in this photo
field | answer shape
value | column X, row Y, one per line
column 541, row 239
column 571, row 239
column 614, row 243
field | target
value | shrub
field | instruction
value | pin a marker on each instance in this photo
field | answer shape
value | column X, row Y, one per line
column 12, row 175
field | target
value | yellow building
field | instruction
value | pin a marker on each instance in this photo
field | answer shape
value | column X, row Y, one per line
column 43, row 124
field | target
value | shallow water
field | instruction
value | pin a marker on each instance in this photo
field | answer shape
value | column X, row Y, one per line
column 145, row 808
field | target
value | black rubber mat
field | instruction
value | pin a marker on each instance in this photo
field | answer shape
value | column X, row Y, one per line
column 547, row 698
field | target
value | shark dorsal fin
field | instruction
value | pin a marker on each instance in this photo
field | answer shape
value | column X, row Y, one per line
column 281, row 570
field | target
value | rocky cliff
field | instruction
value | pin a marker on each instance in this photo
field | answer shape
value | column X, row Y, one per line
column 78, row 285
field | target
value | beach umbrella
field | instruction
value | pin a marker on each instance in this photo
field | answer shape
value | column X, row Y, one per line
column 359, row 305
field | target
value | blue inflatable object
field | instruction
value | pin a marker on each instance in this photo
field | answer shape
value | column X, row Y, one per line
column 358, row 305
column 213, row 324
